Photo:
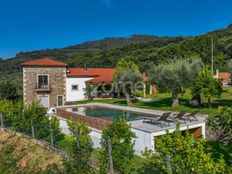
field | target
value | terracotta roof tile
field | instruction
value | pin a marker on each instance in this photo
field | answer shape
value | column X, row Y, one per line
column 100, row 74
column 44, row 62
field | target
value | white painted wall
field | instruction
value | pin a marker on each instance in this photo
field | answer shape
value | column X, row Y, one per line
column 94, row 134
column 143, row 140
column 75, row 95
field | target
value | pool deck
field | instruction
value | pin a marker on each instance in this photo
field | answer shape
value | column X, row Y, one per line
column 152, row 128
column 148, row 127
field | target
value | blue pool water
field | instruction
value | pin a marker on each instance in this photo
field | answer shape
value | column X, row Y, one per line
column 109, row 113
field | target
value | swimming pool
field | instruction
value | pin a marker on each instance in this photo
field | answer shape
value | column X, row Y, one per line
column 107, row 113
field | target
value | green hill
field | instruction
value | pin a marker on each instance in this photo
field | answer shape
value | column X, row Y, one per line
column 143, row 49
column 80, row 54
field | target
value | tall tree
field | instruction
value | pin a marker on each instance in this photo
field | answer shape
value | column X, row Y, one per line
column 19, row 122
column 80, row 152
column 55, row 129
column 6, row 113
column 37, row 122
column 89, row 91
column 175, row 76
column 8, row 90
column 179, row 154
column 127, row 74
column 207, row 85
column 121, row 139
column 222, row 124
column 229, row 68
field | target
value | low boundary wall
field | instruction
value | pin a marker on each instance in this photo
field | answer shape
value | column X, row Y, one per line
column 96, row 123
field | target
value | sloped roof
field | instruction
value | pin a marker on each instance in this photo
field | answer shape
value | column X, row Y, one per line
column 44, row 62
column 100, row 74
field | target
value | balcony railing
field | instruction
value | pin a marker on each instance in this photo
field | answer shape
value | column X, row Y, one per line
column 42, row 87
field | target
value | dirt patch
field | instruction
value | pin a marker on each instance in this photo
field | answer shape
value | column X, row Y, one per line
column 22, row 163
column 30, row 156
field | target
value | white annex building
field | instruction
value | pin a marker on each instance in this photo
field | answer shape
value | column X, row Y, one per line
column 77, row 78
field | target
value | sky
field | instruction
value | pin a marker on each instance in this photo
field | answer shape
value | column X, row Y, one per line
column 27, row 25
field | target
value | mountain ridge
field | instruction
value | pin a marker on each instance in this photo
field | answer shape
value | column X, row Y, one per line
column 143, row 49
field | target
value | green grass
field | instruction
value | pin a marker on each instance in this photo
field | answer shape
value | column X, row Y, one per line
column 144, row 166
column 65, row 143
column 166, row 103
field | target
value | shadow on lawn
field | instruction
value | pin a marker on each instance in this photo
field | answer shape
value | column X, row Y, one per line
column 217, row 149
column 167, row 102
column 222, row 102
column 149, row 168
column 164, row 103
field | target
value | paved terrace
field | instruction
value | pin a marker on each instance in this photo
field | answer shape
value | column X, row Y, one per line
column 148, row 127
column 152, row 128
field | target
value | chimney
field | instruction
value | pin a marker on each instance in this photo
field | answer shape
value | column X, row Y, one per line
column 68, row 69
column 85, row 66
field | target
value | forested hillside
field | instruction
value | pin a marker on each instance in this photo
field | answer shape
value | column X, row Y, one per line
column 78, row 55
column 143, row 49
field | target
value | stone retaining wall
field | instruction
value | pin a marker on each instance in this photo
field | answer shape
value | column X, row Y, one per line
column 92, row 122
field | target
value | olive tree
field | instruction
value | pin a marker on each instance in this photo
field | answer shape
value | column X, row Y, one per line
column 81, row 149
column 9, row 90
column 120, row 137
column 6, row 113
column 36, row 120
column 221, row 124
column 89, row 91
column 178, row 153
column 127, row 74
column 174, row 76
column 55, row 129
column 206, row 85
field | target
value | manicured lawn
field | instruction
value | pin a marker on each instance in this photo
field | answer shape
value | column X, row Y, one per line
column 65, row 143
column 165, row 102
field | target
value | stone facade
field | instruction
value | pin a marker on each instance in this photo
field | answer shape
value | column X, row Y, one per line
column 56, row 79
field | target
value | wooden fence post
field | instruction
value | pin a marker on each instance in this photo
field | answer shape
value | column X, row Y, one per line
column 1, row 120
column 32, row 130
column 168, row 162
column 110, row 156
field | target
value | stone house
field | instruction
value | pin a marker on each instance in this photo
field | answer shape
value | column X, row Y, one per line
column 54, row 83
column 44, row 80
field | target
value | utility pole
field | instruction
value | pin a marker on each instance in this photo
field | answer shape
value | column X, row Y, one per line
column 212, row 47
